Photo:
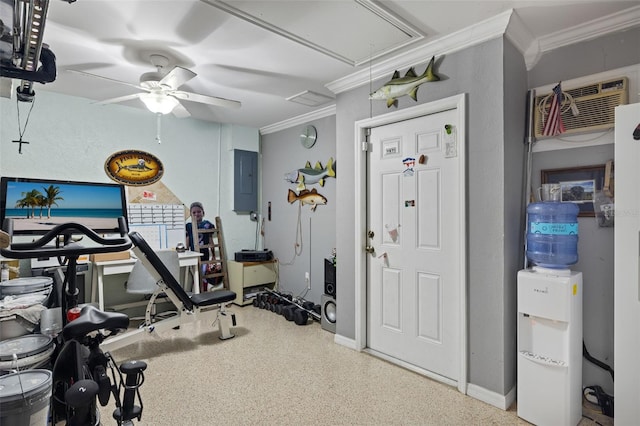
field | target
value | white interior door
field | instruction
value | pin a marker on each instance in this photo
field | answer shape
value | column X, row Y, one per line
column 415, row 218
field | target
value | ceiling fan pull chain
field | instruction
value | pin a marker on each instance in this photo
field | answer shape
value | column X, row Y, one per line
column 158, row 115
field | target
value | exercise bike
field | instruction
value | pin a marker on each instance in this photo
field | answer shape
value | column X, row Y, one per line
column 82, row 374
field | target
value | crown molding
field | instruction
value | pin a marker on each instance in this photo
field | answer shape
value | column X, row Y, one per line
column 589, row 30
column 507, row 23
column 470, row 36
column 519, row 34
column 615, row 22
column 300, row 119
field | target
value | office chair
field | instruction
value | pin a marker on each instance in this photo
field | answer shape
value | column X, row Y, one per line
column 140, row 281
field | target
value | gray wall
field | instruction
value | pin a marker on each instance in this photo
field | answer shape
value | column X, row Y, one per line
column 496, row 80
column 283, row 153
column 514, row 202
column 595, row 245
column 493, row 200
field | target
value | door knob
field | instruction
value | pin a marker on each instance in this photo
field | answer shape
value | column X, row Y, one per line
column 369, row 249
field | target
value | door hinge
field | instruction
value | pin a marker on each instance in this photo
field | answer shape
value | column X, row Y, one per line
column 365, row 146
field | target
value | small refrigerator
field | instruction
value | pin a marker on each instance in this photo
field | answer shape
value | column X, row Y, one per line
column 550, row 346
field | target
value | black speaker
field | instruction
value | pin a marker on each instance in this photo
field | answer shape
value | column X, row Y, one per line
column 328, row 318
column 329, row 278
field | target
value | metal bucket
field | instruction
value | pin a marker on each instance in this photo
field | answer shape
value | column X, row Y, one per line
column 25, row 398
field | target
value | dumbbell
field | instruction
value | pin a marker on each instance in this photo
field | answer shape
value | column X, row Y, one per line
column 287, row 312
column 300, row 317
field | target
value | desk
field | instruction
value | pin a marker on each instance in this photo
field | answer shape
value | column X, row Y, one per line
column 187, row 260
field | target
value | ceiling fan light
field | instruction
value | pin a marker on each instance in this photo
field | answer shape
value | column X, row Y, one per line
column 159, row 103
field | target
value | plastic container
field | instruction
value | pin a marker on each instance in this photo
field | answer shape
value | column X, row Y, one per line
column 31, row 351
column 552, row 234
column 26, row 285
column 25, row 398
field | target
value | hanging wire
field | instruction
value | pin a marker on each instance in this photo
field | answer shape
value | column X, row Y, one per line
column 298, row 245
column 567, row 103
column 307, row 286
column 22, row 130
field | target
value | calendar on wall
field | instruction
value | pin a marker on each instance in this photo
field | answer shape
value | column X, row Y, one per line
column 161, row 225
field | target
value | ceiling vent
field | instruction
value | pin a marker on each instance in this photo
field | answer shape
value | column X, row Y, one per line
column 310, row 98
column 587, row 109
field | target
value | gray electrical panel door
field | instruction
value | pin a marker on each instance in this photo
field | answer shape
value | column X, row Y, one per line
column 245, row 181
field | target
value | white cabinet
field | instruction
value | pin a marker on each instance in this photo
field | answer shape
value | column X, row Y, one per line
column 247, row 278
column 550, row 346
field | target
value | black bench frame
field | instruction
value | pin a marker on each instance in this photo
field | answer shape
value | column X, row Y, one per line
column 190, row 307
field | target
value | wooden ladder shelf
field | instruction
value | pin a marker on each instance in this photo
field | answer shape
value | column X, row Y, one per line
column 215, row 267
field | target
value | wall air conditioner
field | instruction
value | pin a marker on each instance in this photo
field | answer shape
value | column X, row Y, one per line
column 594, row 103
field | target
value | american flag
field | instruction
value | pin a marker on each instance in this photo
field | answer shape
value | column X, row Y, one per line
column 554, row 125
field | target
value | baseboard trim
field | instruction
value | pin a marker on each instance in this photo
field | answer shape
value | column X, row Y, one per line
column 345, row 341
column 500, row 401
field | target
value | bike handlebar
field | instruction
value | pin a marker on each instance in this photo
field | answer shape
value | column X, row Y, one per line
column 39, row 248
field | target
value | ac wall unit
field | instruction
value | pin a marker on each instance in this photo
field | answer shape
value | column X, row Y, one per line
column 595, row 106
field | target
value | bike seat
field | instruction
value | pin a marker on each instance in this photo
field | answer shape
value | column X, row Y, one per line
column 93, row 319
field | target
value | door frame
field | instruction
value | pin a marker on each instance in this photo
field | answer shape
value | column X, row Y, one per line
column 457, row 102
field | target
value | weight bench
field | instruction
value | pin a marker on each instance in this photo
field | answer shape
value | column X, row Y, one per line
column 190, row 307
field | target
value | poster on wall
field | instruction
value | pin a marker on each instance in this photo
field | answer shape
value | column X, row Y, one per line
column 133, row 167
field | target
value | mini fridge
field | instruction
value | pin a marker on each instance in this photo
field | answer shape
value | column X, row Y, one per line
column 550, row 346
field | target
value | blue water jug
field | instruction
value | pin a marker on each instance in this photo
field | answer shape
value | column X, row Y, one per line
column 552, row 234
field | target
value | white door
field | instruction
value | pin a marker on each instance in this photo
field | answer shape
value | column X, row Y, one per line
column 414, row 219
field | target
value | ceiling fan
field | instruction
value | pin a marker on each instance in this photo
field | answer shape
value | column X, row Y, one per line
column 161, row 94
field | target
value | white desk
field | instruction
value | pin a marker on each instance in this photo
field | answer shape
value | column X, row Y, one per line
column 187, row 260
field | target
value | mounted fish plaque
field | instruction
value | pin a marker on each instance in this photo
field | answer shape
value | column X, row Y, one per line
column 135, row 168
column 408, row 85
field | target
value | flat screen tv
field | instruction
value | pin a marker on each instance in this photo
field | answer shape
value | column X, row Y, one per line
column 37, row 205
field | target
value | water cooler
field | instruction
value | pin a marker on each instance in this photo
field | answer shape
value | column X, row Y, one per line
column 550, row 320
column 550, row 346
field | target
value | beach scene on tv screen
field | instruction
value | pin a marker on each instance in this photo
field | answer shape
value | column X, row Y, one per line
column 39, row 206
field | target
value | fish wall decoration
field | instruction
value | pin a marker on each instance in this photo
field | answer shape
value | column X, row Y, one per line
column 309, row 175
column 407, row 85
column 306, row 196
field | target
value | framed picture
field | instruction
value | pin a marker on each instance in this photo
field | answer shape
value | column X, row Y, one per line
column 577, row 185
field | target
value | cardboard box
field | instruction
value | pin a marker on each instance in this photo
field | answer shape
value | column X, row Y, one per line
column 102, row 257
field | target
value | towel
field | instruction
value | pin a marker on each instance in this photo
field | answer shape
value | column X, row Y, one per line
column 26, row 308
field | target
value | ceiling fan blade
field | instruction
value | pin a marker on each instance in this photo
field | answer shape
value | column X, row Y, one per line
column 177, row 77
column 119, row 99
column 204, row 99
column 180, row 111
column 87, row 74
